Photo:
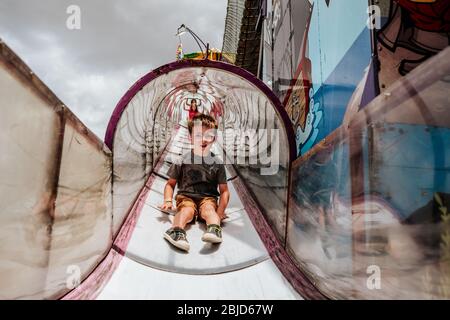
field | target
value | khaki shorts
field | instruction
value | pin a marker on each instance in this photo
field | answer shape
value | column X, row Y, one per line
column 196, row 204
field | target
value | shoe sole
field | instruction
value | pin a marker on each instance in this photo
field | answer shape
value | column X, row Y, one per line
column 211, row 238
column 181, row 246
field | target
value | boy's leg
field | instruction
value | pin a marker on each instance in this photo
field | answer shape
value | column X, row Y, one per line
column 183, row 217
column 186, row 208
column 185, row 213
column 208, row 212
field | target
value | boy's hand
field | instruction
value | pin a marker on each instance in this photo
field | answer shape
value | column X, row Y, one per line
column 168, row 194
column 223, row 201
column 221, row 213
column 166, row 206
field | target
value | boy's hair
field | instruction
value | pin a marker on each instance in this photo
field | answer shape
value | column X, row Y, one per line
column 205, row 119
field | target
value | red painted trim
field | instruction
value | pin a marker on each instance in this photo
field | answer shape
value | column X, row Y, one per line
column 277, row 252
column 91, row 287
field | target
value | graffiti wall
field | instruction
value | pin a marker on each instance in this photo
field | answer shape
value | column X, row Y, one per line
column 365, row 84
column 326, row 59
column 411, row 32
column 320, row 52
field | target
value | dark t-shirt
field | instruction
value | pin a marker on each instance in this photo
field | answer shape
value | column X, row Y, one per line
column 198, row 177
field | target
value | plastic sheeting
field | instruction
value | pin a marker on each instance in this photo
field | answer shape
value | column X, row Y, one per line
column 55, row 199
column 27, row 175
column 370, row 207
column 82, row 225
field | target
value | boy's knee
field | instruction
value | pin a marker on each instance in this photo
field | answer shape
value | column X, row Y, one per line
column 187, row 212
column 208, row 210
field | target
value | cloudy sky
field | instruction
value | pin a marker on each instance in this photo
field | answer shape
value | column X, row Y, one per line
column 119, row 41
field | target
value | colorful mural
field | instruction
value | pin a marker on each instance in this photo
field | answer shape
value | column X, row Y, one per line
column 371, row 184
column 413, row 31
column 316, row 71
column 323, row 60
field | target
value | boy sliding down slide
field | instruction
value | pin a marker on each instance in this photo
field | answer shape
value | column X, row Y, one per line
column 198, row 176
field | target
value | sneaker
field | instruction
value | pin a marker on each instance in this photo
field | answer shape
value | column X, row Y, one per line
column 213, row 234
column 177, row 237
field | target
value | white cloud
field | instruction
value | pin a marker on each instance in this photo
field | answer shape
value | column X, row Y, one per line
column 120, row 41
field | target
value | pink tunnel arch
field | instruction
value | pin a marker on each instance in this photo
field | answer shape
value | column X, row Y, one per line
column 173, row 66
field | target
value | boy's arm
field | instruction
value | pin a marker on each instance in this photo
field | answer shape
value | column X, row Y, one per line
column 168, row 194
column 173, row 173
column 223, row 200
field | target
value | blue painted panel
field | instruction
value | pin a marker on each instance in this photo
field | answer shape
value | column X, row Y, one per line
column 334, row 30
column 331, row 98
column 409, row 164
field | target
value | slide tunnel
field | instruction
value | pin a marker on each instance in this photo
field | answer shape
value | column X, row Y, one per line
column 254, row 129
column 147, row 132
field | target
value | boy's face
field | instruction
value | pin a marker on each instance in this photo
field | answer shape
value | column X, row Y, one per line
column 202, row 139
